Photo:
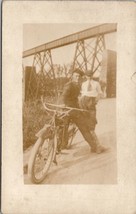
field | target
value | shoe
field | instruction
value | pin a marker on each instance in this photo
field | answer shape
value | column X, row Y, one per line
column 93, row 150
column 100, row 149
column 63, row 147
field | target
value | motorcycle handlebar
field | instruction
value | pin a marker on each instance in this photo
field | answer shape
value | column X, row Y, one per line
column 68, row 109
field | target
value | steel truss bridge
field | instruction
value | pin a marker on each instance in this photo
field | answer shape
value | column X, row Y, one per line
column 90, row 44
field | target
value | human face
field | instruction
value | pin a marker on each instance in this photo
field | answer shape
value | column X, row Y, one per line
column 76, row 77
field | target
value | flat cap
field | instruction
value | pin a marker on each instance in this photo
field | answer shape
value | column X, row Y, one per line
column 89, row 73
column 78, row 71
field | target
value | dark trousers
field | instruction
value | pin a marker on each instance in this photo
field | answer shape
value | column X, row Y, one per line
column 89, row 103
column 85, row 124
column 82, row 121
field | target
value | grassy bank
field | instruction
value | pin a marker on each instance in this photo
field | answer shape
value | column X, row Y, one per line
column 34, row 118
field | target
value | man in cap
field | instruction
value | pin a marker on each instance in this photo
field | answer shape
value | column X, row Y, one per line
column 90, row 94
column 69, row 98
column 71, row 90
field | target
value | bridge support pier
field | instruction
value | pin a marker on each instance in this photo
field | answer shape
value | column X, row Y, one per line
column 89, row 55
column 40, row 75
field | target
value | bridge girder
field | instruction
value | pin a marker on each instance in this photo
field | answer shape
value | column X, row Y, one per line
column 70, row 39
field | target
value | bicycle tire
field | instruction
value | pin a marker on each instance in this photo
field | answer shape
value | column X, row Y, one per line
column 38, row 152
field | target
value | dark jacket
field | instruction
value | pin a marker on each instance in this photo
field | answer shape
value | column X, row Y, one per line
column 70, row 94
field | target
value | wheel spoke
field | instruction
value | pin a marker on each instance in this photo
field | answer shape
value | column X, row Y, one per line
column 43, row 159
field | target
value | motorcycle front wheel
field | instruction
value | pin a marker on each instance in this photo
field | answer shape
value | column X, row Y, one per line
column 40, row 159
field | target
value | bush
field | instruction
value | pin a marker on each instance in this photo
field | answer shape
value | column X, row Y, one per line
column 34, row 118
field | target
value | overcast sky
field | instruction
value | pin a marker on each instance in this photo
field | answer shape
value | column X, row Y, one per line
column 37, row 34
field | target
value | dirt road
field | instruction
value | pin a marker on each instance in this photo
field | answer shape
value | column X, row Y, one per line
column 78, row 165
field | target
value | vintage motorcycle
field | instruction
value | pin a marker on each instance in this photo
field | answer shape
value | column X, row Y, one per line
column 47, row 146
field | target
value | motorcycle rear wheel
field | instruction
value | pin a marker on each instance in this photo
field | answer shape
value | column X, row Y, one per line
column 40, row 159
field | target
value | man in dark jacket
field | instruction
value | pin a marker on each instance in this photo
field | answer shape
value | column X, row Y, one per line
column 69, row 98
column 71, row 90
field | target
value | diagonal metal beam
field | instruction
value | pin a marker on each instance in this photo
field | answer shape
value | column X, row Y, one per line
column 72, row 38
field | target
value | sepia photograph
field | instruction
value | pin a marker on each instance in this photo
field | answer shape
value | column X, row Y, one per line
column 68, row 107
column 69, row 103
